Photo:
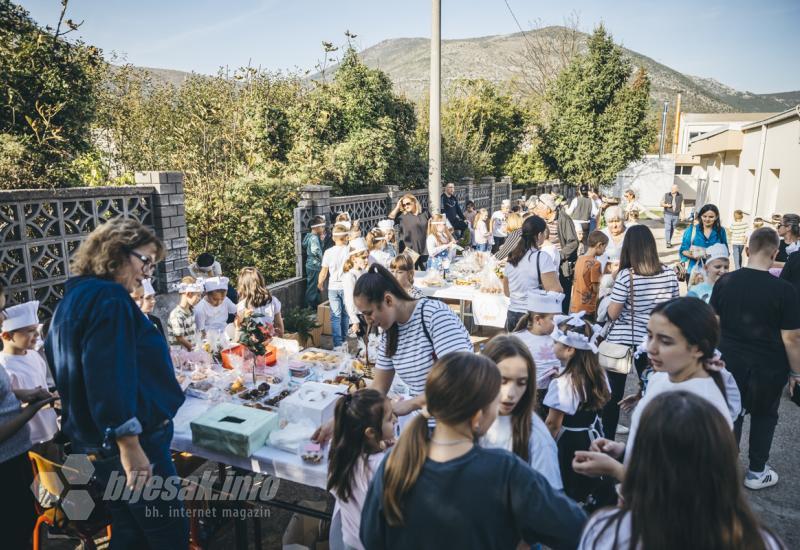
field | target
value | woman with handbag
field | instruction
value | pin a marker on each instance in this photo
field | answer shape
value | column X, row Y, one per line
column 641, row 284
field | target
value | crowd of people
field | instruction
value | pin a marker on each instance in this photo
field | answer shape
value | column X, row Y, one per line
column 513, row 446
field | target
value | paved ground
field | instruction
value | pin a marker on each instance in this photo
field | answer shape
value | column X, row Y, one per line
column 777, row 506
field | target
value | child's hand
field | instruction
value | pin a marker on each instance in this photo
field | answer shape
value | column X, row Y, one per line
column 629, row 403
column 595, row 464
column 614, row 449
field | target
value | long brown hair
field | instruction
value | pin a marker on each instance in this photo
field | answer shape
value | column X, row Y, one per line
column 503, row 347
column 252, row 288
column 354, row 414
column 671, row 504
column 639, row 252
column 532, row 227
column 458, row 386
column 373, row 285
column 588, row 377
column 433, row 222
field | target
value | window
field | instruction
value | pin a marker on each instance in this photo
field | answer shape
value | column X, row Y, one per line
column 693, row 135
column 683, row 170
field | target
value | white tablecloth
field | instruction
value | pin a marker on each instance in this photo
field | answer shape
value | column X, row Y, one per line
column 267, row 460
column 487, row 309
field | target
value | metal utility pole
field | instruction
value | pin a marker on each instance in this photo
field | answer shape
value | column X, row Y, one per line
column 435, row 131
column 677, row 125
column 663, row 130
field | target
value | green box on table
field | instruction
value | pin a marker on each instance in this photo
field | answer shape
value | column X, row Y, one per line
column 233, row 429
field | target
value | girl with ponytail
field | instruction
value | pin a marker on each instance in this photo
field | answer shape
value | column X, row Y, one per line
column 682, row 336
column 441, row 490
column 364, row 427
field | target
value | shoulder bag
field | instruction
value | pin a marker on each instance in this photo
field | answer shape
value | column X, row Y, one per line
column 618, row 357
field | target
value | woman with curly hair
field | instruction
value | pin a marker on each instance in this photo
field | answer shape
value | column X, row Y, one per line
column 116, row 380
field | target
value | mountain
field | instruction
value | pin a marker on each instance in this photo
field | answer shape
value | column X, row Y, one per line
column 506, row 59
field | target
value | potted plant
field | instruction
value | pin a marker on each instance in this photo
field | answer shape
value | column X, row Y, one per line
column 255, row 336
column 302, row 322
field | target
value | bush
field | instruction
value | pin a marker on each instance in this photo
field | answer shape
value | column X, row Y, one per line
column 245, row 222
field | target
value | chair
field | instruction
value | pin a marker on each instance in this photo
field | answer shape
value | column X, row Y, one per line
column 46, row 472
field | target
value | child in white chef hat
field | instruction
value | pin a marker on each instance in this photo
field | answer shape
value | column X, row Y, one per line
column 145, row 298
column 211, row 314
column 387, row 226
column 716, row 264
column 26, row 368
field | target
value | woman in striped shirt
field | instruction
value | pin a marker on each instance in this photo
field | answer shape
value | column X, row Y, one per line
column 641, row 284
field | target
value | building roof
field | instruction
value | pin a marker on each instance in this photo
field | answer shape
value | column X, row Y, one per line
column 772, row 119
column 724, row 117
column 716, row 142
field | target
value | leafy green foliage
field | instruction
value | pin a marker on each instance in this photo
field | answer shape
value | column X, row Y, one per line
column 599, row 120
column 245, row 222
column 47, row 101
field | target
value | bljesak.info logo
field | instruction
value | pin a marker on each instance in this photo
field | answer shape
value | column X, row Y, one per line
column 76, row 490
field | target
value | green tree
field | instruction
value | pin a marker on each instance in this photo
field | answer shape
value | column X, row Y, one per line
column 48, row 89
column 482, row 128
column 353, row 132
column 598, row 119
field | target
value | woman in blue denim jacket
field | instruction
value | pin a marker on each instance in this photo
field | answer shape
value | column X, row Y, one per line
column 117, row 384
column 701, row 235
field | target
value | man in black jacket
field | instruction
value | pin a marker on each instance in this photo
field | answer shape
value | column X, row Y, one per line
column 564, row 236
column 452, row 210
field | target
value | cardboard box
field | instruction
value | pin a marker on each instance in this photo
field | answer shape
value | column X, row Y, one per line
column 324, row 319
column 314, row 401
column 233, row 429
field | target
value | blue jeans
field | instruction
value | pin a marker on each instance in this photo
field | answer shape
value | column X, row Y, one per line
column 144, row 523
column 340, row 322
column 738, row 250
column 485, row 247
column 670, row 222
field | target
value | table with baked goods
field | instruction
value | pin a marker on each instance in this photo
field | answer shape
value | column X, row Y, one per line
column 263, row 424
column 474, row 278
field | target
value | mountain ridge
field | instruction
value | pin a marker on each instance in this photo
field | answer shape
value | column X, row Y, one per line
column 502, row 59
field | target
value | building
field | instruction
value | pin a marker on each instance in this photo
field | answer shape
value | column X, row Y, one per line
column 692, row 125
column 754, row 167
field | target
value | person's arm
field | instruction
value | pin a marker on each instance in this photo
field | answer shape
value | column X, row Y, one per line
column 685, row 252
column 550, row 282
column 16, row 422
column 349, row 284
column 506, row 290
column 277, row 323
column 554, row 421
column 396, row 210
column 619, row 295
column 791, row 341
column 184, row 341
column 323, row 274
column 541, row 513
column 568, row 237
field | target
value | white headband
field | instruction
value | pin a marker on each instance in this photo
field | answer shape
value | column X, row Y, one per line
column 571, row 338
column 323, row 224
column 437, row 223
column 190, row 287
column 340, row 233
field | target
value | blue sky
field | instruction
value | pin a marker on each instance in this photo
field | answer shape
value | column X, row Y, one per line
column 745, row 44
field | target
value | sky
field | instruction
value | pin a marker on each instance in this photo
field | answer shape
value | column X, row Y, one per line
column 748, row 45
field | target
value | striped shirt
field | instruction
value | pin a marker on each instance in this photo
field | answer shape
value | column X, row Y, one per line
column 413, row 359
column 648, row 292
column 739, row 232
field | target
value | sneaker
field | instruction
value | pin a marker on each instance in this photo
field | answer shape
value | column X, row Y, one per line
column 755, row 481
column 623, row 430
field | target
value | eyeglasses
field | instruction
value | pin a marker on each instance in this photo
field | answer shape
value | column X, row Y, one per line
column 148, row 265
column 407, row 204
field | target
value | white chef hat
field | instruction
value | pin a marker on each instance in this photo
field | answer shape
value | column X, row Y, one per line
column 21, row 316
column 386, row 225
column 544, row 301
column 215, row 283
column 147, row 286
column 356, row 246
column 716, row 251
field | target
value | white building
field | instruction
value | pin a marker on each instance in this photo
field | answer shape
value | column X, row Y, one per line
column 754, row 168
